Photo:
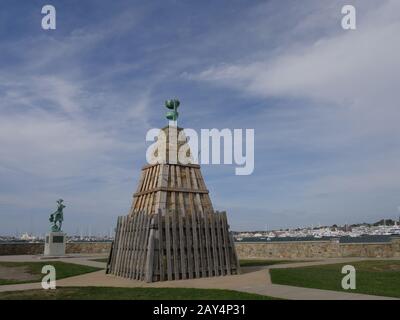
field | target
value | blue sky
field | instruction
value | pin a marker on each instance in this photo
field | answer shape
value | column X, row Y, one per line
column 76, row 103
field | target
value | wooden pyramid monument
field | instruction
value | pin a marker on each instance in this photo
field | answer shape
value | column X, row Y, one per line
column 172, row 231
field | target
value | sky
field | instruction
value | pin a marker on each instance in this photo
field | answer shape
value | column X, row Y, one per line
column 76, row 103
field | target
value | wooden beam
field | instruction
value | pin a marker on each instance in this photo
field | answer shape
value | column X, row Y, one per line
column 170, row 189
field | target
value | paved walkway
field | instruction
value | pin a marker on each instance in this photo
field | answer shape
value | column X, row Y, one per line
column 252, row 280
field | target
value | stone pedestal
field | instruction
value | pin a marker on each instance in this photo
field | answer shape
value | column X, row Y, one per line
column 55, row 244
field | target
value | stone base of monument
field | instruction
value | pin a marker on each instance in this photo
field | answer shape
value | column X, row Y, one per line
column 55, row 244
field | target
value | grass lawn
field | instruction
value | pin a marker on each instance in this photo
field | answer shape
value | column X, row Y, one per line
column 104, row 293
column 263, row 262
column 26, row 272
column 378, row 277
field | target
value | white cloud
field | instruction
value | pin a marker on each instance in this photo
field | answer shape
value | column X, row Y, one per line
column 47, row 145
column 347, row 85
column 355, row 70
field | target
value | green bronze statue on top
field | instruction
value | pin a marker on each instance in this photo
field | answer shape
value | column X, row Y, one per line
column 57, row 217
column 173, row 105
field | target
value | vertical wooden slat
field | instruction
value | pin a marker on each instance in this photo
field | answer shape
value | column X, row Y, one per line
column 168, row 245
column 156, row 258
column 210, row 264
column 154, row 195
column 219, row 242
column 135, row 236
column 148, row 178
column 139, row 246
column 129, row 232
column 182, row 244
column 148, row 181
column 182, row 225
column 181, row 205
column 201, row 244
column 226, row 242
column 189, row 245
column 145, row 179
column 214, row 244
column 115, row 249
column 132, row 246
column 118, row 243
column 195, row 244
column 140, row 201
column 120, row 246
column 161, row 245
column 187, row 177
column 195, row 241
column 142, row 246
column 142, row 232
column 175, row 240
column 143, row 255
column 146, row 187
column 140, row 217
column 149, row 267
column 151, row 185
column 124, row 247
column 138, row 204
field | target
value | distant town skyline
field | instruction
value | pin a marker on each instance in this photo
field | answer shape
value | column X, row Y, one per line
column 87, row 232
column 76, row 103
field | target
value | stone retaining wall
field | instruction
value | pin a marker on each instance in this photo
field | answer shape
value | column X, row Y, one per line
column 246, row 250
column 38, row 248
column 317, row 249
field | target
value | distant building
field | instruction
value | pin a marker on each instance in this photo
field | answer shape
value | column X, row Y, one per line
column 27, row 237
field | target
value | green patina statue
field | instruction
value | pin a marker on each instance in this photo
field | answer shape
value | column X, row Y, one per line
column 57, row 217
column 173, row 105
